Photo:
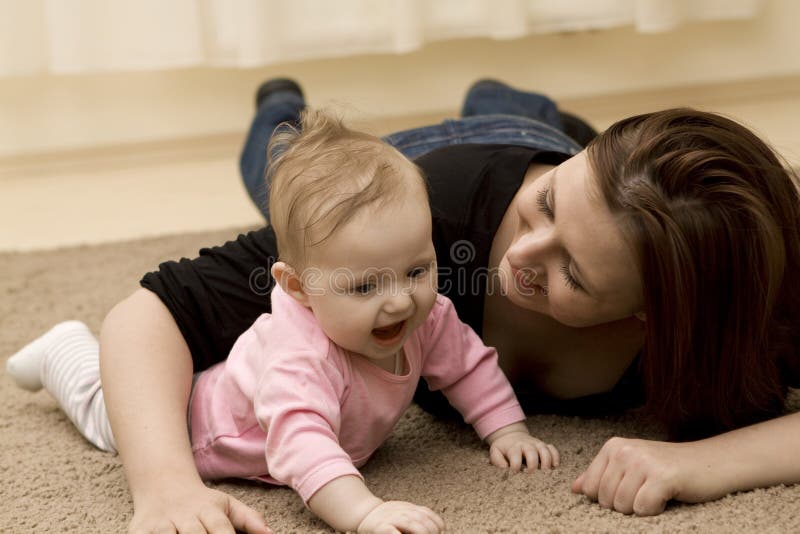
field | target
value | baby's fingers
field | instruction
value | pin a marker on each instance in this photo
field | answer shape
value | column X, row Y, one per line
column 421, row 521
column 430, row 519
column 434, row 520
column 545, row 456
column 556, row 455
column 497, row 457
column 541, row 455
column 515, row 456
column 533, row 457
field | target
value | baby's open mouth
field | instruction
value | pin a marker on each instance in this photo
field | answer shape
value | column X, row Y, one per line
column 390, row 332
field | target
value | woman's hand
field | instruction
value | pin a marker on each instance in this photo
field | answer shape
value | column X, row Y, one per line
column 194, row 508
column 640, row 476
column 394, row 517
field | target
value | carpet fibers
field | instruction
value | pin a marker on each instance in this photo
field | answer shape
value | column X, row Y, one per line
column 53, row 480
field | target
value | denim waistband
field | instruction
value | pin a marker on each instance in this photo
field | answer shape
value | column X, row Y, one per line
column 483, row 129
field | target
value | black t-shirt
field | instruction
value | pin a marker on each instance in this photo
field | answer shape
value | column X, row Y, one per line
column 215, row 297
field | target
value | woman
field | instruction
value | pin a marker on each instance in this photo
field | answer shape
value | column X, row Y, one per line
column 659, row 266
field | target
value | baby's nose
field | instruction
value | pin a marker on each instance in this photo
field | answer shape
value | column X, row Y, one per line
column 398, row 302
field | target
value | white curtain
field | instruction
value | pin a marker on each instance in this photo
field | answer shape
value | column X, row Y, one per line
column 79, row 36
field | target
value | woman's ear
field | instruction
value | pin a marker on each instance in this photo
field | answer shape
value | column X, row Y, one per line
column 290, row 282
column 641, row 316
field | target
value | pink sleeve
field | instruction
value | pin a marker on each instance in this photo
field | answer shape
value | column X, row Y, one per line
column 466, row 370
column 298, row 405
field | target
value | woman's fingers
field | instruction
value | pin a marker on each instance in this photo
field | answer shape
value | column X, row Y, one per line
column 651, row 499
column 577, row 484
column 630, row 485
column 590, row 485
column 631, row 476
column 609, row 482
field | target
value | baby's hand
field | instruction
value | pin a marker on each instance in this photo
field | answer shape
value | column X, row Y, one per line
column 510, row 445
column 393, row 517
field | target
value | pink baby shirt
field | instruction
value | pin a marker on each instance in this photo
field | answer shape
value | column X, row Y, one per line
column 291, row 407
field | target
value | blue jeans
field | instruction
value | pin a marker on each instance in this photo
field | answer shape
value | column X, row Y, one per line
column 493, row 113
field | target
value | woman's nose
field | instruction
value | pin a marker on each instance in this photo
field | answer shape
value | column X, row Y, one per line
column 532, row 248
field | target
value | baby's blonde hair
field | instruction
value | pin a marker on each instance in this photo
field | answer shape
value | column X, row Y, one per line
column 321, row 174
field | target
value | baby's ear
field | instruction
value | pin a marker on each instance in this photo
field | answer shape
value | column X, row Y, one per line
column 287, row 277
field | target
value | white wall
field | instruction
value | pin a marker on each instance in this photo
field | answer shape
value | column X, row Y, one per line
column 54, row 113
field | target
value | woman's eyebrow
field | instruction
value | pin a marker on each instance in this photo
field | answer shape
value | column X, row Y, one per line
column 578, row 274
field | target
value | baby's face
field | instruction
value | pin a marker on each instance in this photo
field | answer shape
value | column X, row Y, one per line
column 373, row 282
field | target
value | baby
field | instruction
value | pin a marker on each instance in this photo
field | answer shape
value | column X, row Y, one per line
column 311, row 390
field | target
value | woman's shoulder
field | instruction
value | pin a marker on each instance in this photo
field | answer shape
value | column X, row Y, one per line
column 465, row 180
column 473, row 160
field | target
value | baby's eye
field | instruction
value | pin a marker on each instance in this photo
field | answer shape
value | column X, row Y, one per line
column 416, row 272
column 363, row 289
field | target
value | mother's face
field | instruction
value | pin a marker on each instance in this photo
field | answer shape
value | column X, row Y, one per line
column 568, row 258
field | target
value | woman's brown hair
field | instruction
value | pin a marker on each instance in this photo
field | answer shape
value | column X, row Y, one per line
column 713, row 217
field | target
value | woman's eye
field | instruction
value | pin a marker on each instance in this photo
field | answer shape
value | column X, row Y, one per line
column 541, row 201
column 569, row 279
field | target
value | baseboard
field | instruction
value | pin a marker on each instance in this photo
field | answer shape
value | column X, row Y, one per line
column 601, row 110
column 706, row 96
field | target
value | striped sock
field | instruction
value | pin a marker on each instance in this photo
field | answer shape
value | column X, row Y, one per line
column 70, row 371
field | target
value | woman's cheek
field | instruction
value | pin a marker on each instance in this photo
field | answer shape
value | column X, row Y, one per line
column 567, row 310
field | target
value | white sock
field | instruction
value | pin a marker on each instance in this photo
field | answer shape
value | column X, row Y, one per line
column 66, row 361
column 25, row 367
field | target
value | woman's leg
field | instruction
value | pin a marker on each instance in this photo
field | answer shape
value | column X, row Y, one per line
column 491, row 97
column 494, row 113
column 279, row 100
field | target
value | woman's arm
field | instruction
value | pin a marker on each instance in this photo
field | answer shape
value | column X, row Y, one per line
column 640, row 476
column 146, row 372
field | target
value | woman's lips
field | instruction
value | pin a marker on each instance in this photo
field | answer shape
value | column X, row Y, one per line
column 389, row 335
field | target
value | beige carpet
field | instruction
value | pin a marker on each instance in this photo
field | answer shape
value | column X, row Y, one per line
column 51, row 480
